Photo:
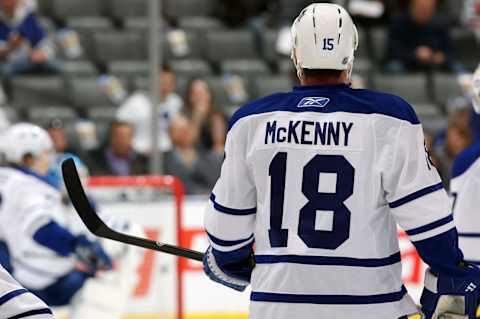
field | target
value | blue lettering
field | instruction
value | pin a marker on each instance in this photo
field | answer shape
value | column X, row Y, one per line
column 306, row 132
column 346, row 130
column 328, row 44
column 292, row 131
column 333, row 133
column 270, row 131
column 320, row 133
column 283, row 131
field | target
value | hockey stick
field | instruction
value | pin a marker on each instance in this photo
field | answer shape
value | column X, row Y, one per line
column 90, row 218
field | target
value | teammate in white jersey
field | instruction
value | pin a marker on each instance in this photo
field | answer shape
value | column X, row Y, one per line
column 465, row 188
column 58, row 265
column 18, row 302
column 319, row 178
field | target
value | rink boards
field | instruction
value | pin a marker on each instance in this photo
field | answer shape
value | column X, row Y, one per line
column 155, row 296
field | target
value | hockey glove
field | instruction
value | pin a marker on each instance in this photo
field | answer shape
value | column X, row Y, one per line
column 451, row 297
column 215, row 273
column 91, row 255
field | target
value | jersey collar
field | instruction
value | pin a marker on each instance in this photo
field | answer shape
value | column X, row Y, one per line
column 302, row 88
column 46, row 179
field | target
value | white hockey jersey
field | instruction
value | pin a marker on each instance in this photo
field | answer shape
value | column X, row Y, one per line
column 465, row 188
column 18, row 302
column 319, row 178
column 27, row 204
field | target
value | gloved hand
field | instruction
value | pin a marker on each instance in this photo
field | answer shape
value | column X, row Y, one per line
column 91, row 255
column 215, row 273
column 451, row 297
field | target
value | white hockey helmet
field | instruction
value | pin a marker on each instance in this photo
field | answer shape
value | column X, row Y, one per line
column 25, row 138
column 476, row 90
column 324, row 37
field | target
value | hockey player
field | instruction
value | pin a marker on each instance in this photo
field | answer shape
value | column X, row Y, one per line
column 47, row 257
column 465, row 188
column 18, row 302
column 319, row 178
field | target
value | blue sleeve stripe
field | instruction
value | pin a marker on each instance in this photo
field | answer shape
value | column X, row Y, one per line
column 416, row 195
column 430, row 226
column 232, row 211
column 469, row 235
column 475, row 262
column 328, row 299
column 12, row 294
column 55, row 237
column 222, row 242
column 331, row 261
column 32, row 313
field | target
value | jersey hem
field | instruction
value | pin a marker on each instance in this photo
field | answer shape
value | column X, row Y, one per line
column 331, row 261
column 328, row 299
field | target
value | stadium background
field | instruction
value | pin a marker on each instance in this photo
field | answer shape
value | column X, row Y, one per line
column 237, row 51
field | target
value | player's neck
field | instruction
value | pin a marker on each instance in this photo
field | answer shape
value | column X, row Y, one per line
column 324, row 80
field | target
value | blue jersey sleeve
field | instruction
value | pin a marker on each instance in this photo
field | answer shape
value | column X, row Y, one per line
column 442, row 253
column 55, row 237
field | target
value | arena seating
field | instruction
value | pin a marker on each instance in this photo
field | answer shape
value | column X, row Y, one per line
column 114, row 33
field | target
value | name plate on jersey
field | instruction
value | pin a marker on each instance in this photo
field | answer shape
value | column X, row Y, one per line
column 338, row 133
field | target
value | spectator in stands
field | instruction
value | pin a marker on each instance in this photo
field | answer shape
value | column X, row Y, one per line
column 118, row 157
column 137, row 110
column 24, row 46
column 211, row 166
column 184, row 160
column 56, row 130
column 199, row 107
column 458, row 137
column 419, row 40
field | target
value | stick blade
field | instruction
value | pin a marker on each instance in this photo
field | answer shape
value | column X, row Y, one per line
column 79, row 199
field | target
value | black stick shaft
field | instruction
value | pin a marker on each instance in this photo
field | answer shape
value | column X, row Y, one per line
column 90, row 218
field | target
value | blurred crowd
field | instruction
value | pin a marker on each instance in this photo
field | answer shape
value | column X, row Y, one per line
column 191, row 130
column 192, row 127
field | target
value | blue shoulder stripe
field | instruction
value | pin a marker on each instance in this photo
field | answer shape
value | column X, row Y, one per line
column 416, row 195
column 430, row 226
column 12, row 294
column 232, row 211
column 328, row 299
column 331, row 261
column 466, row 159
column 32, row 313
column 222, row 242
